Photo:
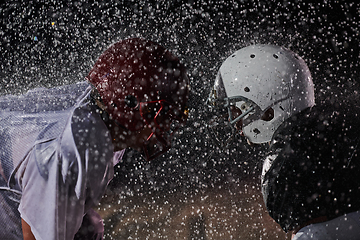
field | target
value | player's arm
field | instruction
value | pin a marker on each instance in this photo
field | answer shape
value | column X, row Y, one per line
column 27, row 231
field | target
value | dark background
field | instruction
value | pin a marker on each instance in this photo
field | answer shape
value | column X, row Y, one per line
column 50, row 43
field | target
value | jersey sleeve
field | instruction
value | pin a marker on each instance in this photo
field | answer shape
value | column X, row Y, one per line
column 62, row 178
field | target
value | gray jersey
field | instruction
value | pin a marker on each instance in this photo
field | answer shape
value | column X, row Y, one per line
column 346, row 227
column 56, row 160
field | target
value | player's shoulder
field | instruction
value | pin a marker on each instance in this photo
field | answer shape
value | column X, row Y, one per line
column 43, row 99
column 341, row 228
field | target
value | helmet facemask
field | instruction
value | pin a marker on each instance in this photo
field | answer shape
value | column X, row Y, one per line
column 164, row 120
column 229, row 114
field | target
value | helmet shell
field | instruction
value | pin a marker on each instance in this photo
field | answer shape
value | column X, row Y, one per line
column 136, row 70
column 270, row 77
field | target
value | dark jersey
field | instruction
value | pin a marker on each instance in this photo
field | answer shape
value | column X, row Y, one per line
column 313, row 167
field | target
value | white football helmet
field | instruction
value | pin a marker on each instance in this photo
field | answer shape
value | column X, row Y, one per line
column 260, row 86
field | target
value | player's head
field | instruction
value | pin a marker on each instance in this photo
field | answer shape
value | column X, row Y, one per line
column 257, row 88
column 143, row 85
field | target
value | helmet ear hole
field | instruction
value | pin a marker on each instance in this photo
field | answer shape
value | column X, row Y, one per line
column 268, row 115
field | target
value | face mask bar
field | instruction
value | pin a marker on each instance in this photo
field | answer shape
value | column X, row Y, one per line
column 226, row 123
column 235, row 99
column 164, row 121
column 155, row 145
